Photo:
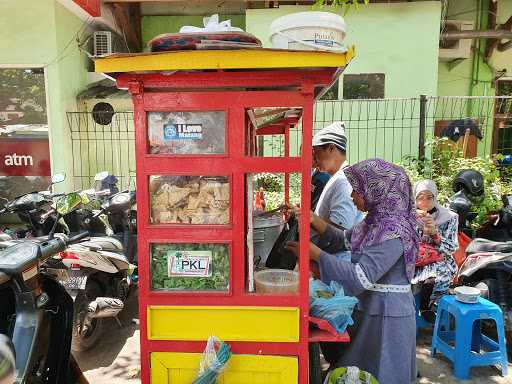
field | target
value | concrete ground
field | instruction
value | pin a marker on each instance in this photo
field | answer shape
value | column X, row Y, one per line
column 116, row 360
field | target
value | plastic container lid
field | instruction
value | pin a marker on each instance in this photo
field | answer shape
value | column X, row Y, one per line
column 309, row 19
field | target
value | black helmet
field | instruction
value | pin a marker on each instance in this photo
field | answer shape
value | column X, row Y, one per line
column 469, row 181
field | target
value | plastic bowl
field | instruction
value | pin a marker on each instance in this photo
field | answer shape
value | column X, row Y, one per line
column 468, row 295
column 280, row 281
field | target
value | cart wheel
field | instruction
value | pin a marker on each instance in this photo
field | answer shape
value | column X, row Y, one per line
column 315, row 369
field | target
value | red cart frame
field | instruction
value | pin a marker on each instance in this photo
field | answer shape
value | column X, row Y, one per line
column 234, row 92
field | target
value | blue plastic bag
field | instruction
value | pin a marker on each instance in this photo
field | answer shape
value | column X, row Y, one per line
column 328, row 302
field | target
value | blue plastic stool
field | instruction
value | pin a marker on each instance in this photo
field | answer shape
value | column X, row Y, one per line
column 467, row 337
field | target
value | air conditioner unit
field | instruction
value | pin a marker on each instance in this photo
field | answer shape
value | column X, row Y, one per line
column 455, row 49
column 106, row 43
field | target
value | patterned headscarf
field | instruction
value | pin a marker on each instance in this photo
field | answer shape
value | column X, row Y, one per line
column 389, row 201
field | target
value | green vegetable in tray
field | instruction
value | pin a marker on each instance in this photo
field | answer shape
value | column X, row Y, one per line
column 323, row 294
column 218, row 281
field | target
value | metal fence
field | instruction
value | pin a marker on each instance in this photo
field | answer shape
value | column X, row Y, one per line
column 97, row 147
column 388, row 128
column 385, row 128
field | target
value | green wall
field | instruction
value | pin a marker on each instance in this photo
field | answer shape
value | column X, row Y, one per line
column 42, row 33
column 503, row 60
column 155, row 25
column 456, row 81
column 474, row 77
column 455, row 78
column 387, row 39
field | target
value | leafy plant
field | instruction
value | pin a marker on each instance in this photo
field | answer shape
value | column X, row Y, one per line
column 273, row 188
column 218, row 281
column 270, row 182
column 344, row 4
column 446, row 161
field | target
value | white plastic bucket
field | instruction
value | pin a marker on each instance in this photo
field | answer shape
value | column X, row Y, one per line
column 309, row 31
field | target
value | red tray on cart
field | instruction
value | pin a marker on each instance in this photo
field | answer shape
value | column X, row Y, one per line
column 322, row 331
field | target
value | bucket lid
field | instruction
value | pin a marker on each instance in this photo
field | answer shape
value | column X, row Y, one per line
column 308, row 19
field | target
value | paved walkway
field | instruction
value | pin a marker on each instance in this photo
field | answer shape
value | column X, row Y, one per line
column 116, row 360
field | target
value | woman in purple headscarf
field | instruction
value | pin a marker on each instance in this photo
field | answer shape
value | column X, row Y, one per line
column 384, row 248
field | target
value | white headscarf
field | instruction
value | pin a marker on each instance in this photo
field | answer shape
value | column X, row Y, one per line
column 441, row 214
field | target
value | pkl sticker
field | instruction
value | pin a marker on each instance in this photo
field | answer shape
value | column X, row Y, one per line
column 189, row 264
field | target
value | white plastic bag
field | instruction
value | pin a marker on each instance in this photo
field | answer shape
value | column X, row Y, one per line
column 211, row 24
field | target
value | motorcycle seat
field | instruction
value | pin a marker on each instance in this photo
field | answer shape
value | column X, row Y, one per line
column 103, row 243
column 7, row 243
column 484, row 245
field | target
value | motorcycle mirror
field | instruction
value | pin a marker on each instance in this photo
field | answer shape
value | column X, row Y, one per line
column 68, row 203
column 101, row 176
column 7, row 360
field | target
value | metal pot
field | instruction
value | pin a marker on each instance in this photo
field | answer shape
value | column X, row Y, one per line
column 266, row 232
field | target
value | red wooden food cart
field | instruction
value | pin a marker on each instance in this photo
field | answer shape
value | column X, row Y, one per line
column 198, row 116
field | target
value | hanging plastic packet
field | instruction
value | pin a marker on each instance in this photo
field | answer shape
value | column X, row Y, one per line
column 213, row 361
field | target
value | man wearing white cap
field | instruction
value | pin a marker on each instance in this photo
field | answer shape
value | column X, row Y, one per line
column 335, row 204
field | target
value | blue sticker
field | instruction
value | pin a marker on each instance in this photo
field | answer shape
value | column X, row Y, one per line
column 183, row 132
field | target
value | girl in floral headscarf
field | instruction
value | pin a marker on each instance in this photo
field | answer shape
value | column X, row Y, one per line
column 384, row 248
column 438, row 227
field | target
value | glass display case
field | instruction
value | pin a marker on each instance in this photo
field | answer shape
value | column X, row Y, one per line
column 190, row 267
column 189, row 199
column 187, row 133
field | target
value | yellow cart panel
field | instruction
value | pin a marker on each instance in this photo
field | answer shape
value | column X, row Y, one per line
column 222, row 59
column 196, row 323
column 182, row 368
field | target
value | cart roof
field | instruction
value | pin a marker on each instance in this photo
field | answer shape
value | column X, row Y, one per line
column 222, row 59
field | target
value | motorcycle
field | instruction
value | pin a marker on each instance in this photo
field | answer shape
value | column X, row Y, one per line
column 122, row 221
column 37, row 312
column 97, row 273
column 110, row 213
column 32, row 208
column 104, row 186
